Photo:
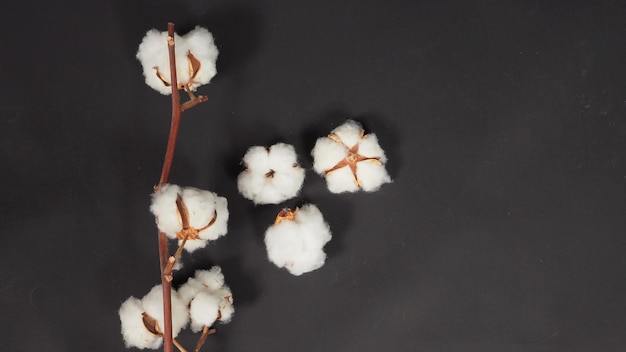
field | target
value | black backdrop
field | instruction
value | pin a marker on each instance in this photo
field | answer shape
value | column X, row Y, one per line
column 504, row 126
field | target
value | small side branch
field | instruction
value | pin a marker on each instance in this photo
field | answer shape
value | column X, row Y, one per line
column 205, row 332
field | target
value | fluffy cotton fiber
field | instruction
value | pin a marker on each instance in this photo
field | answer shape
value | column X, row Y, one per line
column 350, row 159
column 296, row 242
column 154, row 57
column 272, row 175
column 208, row 298
column 131, row 313
column 204, row 207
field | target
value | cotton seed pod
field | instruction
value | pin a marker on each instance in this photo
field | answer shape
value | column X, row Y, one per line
column 272, row 175
column 350, row 159
column 197, row 215
column 297, row 238
column 195, row 52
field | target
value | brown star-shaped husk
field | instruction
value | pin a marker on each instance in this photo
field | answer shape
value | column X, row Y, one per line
column 353, row 157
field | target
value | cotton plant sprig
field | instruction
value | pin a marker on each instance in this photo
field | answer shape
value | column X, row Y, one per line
column 158, row 56
column 296, row 239
column 350, row 159
column 271, row 175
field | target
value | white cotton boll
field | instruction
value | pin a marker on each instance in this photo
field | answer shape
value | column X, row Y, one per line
column 153, row 53
column 298, row 244
column 134, row 331
column 341, row 156
column 341, row 180
column 272, row 175
column 131, row 314
column 164, row 209
column 208, row 213
column 153, row 306
column 349, row 132
column 203, row 310
column 327, row 153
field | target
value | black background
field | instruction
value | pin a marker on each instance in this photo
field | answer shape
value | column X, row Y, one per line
column 504, row 126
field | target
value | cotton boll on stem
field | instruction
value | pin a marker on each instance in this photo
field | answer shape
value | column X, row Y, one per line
column 196, row 55
column 208, row 297
column 297, row 238
column 134, row 331
column 142, row 320
column 272, row 175
column 190, row 213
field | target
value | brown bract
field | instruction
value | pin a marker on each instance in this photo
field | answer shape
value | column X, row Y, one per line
column 188, row 232
column 285, row 214
column 151, row 324
column 353, row 157
column 194, row 67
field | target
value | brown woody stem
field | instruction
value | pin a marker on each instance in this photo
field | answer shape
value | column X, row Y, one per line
column 205, row 332
column 166, row 280
column 176, row 112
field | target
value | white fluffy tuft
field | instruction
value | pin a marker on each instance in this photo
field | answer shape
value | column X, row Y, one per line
column 203, row 310
column 202, row 206
column 154, row 57
column 298, row 244
column 350, row 160
column 272, row 175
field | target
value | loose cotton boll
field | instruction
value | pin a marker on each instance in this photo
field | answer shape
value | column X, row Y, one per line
column 195, row 54
column 297, row 238
column 350, row 160
column 272, row 175
column 207, row 215
column 134, row 312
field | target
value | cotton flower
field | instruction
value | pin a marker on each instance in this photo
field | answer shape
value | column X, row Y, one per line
column 142, row 319
column 271, row 175
column 208, row 298
column 205, row 213
column 195, row 54
column 297, row 238
column 350, row 159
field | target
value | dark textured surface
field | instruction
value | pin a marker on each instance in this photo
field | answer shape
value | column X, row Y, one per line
column 504, row 123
